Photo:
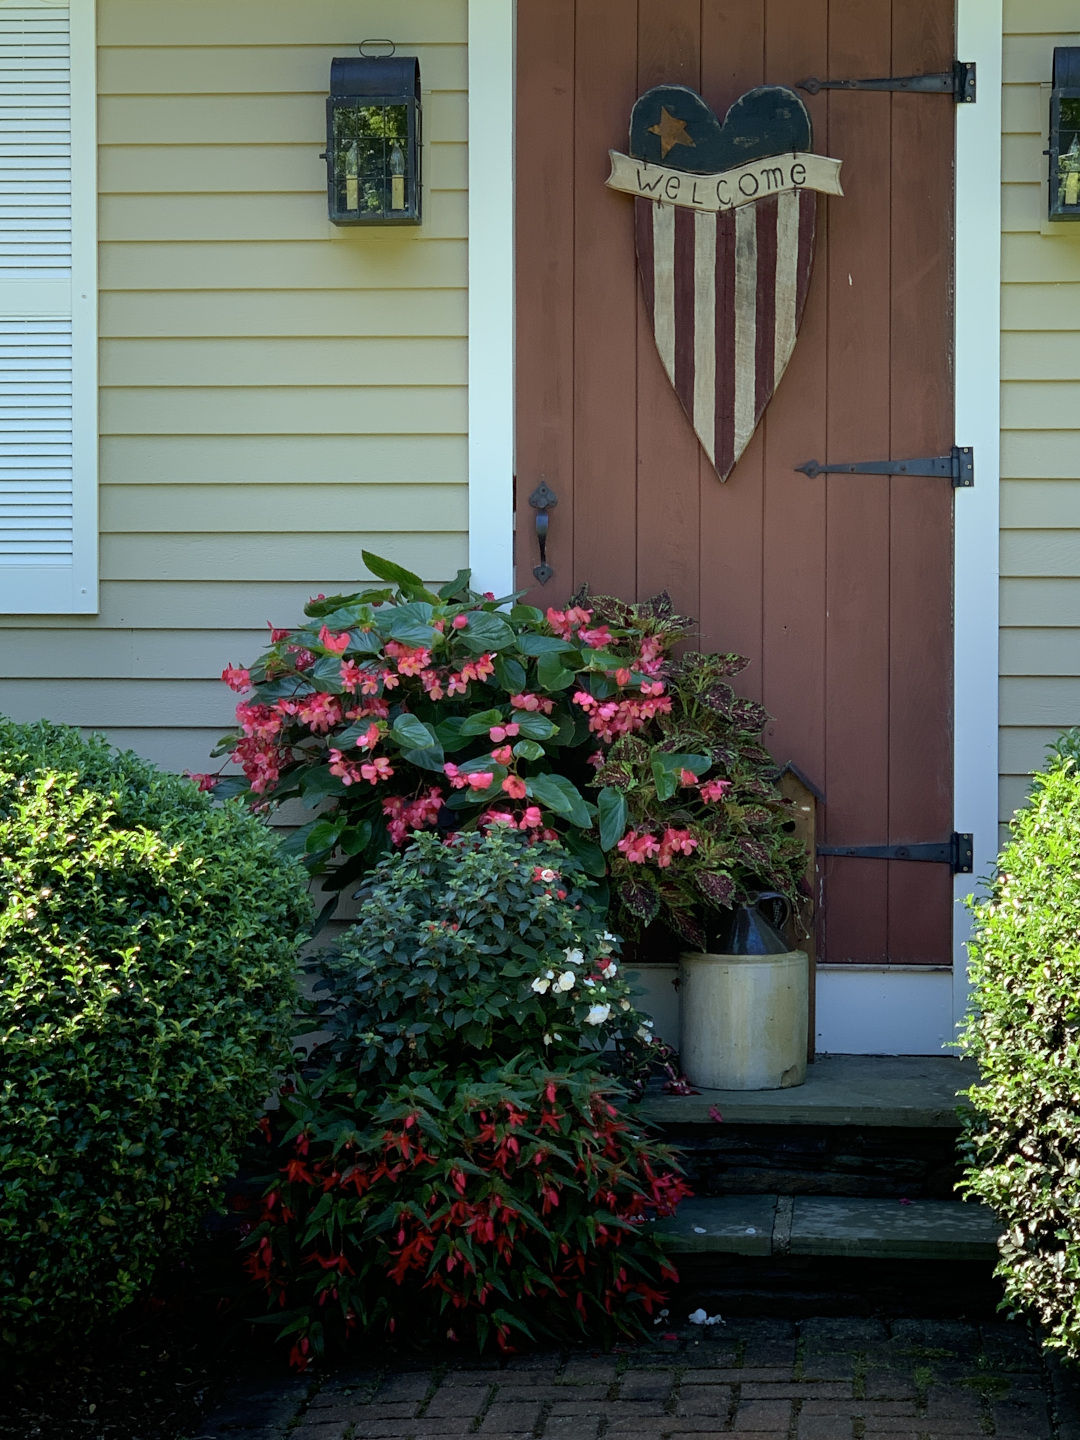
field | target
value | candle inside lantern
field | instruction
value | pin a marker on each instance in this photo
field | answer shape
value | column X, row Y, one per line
column 397, row 178
column 352, row 182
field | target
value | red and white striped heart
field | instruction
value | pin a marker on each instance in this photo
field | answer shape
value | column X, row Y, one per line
column 725, row 217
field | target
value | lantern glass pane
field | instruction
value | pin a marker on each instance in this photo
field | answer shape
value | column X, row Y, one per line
column 1068, row 153
column 370, row 142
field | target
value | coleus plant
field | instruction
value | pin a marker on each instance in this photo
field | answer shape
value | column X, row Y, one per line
column 399, row 708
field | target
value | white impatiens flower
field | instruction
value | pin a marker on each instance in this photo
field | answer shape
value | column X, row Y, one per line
column 566, row 981
column 547, row 876
column 574, row 957
column 644, row 1035
column 541, row 984
column 591, row 984
column 609, row 969
column 624, row 1005
column 547, row 1039
column 598, row 1014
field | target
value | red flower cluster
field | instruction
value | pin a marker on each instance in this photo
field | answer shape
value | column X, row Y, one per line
column 641, row 846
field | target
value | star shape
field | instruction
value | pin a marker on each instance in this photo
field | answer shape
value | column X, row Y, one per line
column 671, row 130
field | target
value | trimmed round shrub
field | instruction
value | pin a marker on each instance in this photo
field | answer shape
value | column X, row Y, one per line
column 1023, row 1138
column 148, row 945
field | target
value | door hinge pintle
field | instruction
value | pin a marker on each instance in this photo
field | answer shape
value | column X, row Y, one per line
column 958, row 852
column 958, row 466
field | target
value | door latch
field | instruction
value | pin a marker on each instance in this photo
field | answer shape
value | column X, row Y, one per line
column 543, row 499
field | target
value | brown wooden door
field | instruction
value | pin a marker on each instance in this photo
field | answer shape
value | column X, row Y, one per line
column 838, row 588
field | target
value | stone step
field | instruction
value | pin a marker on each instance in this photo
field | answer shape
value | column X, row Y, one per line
column 832, row 1225
column 890, row 1091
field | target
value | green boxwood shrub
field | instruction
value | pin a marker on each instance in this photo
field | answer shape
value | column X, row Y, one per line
column 1023, row 1138
column 147, row 987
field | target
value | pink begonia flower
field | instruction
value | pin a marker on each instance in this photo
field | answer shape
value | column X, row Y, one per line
column 260, row 722
column 687, row 777
column 622, row 677
column 497, row 817
column 432, row 683
column 376, row 770
column 379, row 708
column 489, row 594
column 410, row 660
column 514, row 786
column 637, row 848
column 499, row 733
column 714, row 789
column 459, row 622
column 563, row 621
column 596, row 759
column 655, row 687
column 479, row 780
column 302, row 659
column 390, row 680
column 204, row 782
column 320, row 712
column 597, row 638
column 675, row 842
column 651, row 659
column 347, row 771
column 532, row 702
column 454, row 775
column 503, row 755
column 404, row 817
column 370, row 737
column 338, row 644
column 479, row 669
column 276, row 635
column 532, row 820
column 236, row 678
column 352, row 675
column 456, row 685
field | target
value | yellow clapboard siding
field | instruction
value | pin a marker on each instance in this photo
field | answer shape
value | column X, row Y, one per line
column 333, row 557
column 256, row 69
column 257, row 217
column 235, row 120
column 1021, row 110
column 1041, row 258
column 1032, row 355
column 1040, row 454
column 280, row 22
column 1040, row 504
column 193, row 604
column 1022, row 207
column 292, row 509
column 1030, row 405
column 1022, row 749
column 1040, row 652
column 1040, row 552
column 1027, row 59
column 129, row 654
column 210, row 315
column 259, row 169
column 403, row 258
column 284, row 459
column 99, row 703
column 1040, row 700
column 1027, row 600
column 332, row 362
column 1013, row 791
column 1035, row 17
column 1022, row 160
column 175, row 749
column 1040, row 307
column 391, row 410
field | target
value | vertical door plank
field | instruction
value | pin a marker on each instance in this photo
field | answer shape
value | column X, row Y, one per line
column 606, row 303
column 857, row 559
column 795, row 431
column 920, row 722
column 669, row 521
column 732, row 61
column 545, row 288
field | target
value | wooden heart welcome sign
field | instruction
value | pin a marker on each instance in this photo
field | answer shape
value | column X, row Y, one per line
column 725, row 215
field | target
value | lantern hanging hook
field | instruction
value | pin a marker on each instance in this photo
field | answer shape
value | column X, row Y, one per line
column 367, row 56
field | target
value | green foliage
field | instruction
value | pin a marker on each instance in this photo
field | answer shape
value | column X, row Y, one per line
column 485, row 945
column 453, row 1163
column 147, row 987
column 1023, row 1139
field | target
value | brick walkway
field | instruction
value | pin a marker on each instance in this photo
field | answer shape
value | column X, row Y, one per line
column 819, row 1379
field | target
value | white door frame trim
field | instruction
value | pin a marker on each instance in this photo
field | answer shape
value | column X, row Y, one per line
column 492, row 63
column 979, row 27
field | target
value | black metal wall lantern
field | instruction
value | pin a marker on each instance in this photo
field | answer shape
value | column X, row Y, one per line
column 373, row 139
column 1064, row 149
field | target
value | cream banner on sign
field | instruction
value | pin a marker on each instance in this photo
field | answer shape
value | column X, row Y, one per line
column 755, row 180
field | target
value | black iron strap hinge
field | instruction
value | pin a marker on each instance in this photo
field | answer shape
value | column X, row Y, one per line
column 959, row 82
column 957, row 852
column 958, row 466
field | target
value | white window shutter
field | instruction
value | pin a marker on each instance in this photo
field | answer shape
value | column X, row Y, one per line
column 48, row 308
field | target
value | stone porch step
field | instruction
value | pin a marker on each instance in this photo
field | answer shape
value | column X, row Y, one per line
column 902, row 1091
column 832, row 1225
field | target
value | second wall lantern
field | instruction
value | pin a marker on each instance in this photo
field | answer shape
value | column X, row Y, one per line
column 1064, row 149
column 373, row 140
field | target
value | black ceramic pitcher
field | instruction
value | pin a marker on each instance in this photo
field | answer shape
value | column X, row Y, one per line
column 749, row 932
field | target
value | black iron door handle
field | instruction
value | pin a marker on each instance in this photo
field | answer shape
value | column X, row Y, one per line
column 543, row 499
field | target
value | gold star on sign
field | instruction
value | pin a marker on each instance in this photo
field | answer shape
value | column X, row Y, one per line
column 672, row 132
